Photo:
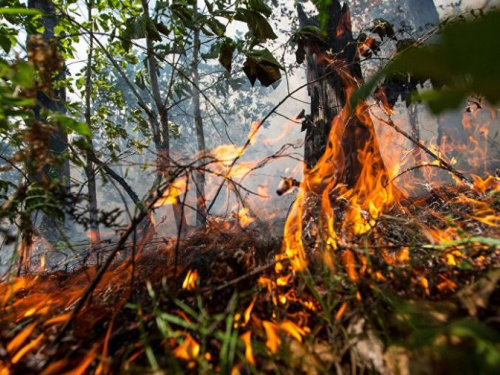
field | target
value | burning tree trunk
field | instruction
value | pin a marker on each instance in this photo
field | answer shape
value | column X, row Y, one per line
column 334, row 71
column 341, row 149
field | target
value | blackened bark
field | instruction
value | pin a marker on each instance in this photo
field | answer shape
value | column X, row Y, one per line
column 333, row 68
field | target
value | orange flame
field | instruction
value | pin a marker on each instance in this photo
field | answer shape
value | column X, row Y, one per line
column 177, row 188
column 188, row 350
column 246, row 338
column 366, row 199
column 190, row 280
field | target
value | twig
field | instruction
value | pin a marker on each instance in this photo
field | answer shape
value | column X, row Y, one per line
column 442, row 163
column 256, row 271
column 117, row 178
column 260, row 123
column 97, row 278
column 413, row 168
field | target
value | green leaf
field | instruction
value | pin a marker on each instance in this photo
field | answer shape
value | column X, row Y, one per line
column 257, row 24
column 72, row 124
column 216, row 26
column 323, row 7
column 226, row 53
column 467, row 241
column 135, row 28
column 139, row 80
column 263, row 66
column 260, row 6
column 5, row 43
column 311, row 32
column 463, row 60
column 440, row 100
column 152, row 31
column 24, row 75
column 162, row 28
column 264, row 56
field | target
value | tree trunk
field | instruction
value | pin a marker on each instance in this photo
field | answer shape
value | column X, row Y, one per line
column 421, row 15
column 89, row 168
column 330, row 82
column 412, row 111
column 201, row 206
column 411, row 16
column 52, row 101
column 160, row 130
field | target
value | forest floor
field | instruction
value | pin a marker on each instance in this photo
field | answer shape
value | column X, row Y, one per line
column 417, row 294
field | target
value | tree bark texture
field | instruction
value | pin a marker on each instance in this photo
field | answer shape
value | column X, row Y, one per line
column 201, row 206
column 52, row 100
column 331, row 79
column 89, row 168
column 160, row 129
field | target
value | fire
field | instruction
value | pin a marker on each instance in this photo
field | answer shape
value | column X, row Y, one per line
column 247, row 340
column 248, row 312
column 366, row 198
column 225, row 154
column 273, row 340
column 292, row 329
column 190, row 280
column 341, row 310
column 188, row 350
column 336, row 214
column 254, row 128
column 42, row 262
column 177, row 188
column 244, row 217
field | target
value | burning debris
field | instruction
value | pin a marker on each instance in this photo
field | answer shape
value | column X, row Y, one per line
column 368, row 273
column 286, row 185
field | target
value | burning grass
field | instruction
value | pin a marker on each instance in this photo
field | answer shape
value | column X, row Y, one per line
column 363, row 278
column 376, row 301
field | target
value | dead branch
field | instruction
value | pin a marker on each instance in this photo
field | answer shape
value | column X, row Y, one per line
column 260, row 123
column 443, row 163
column 256, row 271
column 111, row 173
column 136, row 220
column 415, row 167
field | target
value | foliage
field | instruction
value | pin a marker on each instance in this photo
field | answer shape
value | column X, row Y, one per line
column 457, row 64
column 271, row 319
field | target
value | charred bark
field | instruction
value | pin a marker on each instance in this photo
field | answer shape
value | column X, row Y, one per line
column 333, row 68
